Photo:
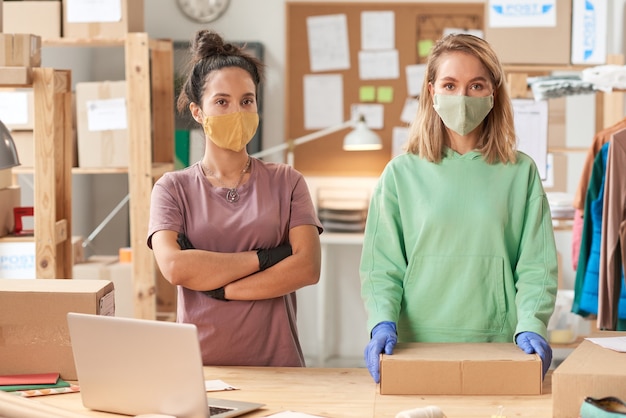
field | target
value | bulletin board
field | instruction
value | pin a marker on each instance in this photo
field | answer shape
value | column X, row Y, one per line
column 417, row 25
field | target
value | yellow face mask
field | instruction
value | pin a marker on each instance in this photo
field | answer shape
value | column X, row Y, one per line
column 232, row 131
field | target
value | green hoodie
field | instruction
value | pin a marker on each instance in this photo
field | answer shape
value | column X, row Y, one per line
column 459, row 251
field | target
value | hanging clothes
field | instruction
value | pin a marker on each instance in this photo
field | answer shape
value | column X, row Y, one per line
column 599, row 139
column 587, row 275
column 613, row 243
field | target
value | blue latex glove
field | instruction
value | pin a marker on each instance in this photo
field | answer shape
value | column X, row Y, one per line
column 384, row 339
column 530, row 343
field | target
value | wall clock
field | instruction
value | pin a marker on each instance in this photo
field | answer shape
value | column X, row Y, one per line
column 203, row 11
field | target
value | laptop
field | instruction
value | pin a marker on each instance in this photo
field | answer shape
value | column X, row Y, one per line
column 140, row 366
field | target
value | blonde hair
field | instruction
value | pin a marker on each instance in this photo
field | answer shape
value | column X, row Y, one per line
column 427, row 134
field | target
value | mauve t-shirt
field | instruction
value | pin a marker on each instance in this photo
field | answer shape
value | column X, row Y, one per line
column 273, row 200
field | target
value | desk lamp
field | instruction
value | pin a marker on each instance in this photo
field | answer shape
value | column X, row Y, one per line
column 359, row 139
column 8, row 153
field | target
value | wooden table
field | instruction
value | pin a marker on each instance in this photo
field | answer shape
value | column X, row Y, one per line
column 325, row 392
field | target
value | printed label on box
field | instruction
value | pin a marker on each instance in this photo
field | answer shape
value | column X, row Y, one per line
column 517, row 14
column 17, row 260
column 106, row 115
column 589, row 32
column 86, row 11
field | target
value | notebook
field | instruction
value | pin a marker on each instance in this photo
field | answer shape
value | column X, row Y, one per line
column 139, row 366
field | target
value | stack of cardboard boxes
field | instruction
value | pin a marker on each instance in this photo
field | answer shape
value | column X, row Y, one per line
column 100, row 109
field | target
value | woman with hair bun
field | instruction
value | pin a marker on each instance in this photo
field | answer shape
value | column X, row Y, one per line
column 236, row 235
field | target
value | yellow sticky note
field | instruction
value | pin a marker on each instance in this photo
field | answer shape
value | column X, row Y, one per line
column 385, row 94
column 424, row 46
column 367, row 93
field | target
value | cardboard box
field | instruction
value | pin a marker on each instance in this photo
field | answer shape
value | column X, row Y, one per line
column 121, row 274
column 523, row 42
column 460, row 369
column 108, row 267
column 94, row 268
column 16, row 76
column 91, row 20
column 6, row 178
column 25, row 146
column 17, row 109
column 41, row 18
column 20, row 50
column 101, row 123
column 33, row 321
column 10, row 197
column 17, row 258
column 590, row 370
column 589, row 32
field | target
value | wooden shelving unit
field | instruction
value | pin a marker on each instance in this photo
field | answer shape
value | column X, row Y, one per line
column 52, row 90
column 149, row 73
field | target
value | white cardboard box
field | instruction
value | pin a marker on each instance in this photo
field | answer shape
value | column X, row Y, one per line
column 17, row 258
column 589, row 31
column 101, row 118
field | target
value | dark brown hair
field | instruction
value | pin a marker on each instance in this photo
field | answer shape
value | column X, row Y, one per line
column 209, row 52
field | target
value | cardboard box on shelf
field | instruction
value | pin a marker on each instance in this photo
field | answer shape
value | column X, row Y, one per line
column 589, row 32
column 39, row 17
column 10, row 197
column 78, row 252
column 460, row 369
column 101, row 122
column 528, row 34
column 94, row 268
column 25, row 146
column 121, row 274
column 590, row 370
column 20, row 50
column 16, row 76
column 92, row 20
column 33, row 319
column 6, row 178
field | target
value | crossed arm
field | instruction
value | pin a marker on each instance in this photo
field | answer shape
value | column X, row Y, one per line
column 239, row 273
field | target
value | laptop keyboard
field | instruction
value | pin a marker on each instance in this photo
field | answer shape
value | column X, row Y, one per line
column 214, row 410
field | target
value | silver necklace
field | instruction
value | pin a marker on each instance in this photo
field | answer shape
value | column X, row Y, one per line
column 232, row 195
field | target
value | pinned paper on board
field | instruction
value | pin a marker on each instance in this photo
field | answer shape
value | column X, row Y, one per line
column 384, row 94
column 328, row 42
column 379, row 65
column 424, row 46
column 378, row 30
column 367, row 94
column 323, row 101
column 373, row 113
column 415, row 78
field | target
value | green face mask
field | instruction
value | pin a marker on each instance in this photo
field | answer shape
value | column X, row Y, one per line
column 462, row 114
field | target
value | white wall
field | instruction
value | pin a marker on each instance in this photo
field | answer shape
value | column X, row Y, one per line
column 264, row 21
